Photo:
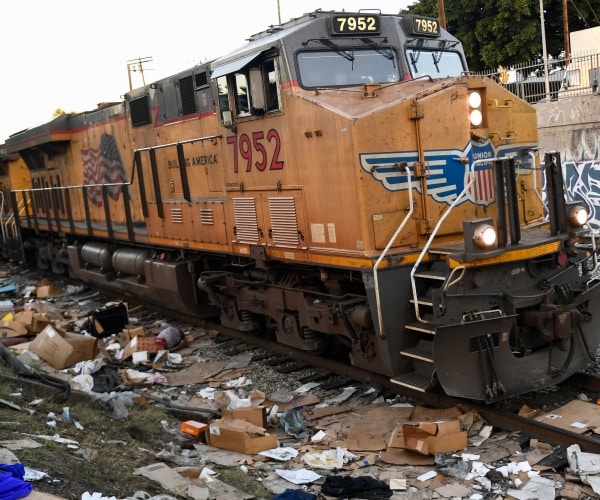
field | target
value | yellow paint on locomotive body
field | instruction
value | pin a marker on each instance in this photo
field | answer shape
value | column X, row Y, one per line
column 363, row 140
column 322, row 178
column 333, row 178
column 511, row 255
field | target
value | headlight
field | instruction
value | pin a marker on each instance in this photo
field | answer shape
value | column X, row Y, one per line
column 577, row 215
column 480, row 237
column 485, row 236
column 474, row 99
column 475, row 110
column 476, row 118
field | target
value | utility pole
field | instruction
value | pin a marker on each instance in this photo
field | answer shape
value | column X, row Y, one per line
column 544, row 50
column 279, row 12
column 566, row 33
column 441, row 13
column 134, row 65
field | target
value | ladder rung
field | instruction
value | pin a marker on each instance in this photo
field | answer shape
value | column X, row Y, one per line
column 418, row 352
column 422, row 301
column 432, row 275
column 412, row 380
column 421, row 327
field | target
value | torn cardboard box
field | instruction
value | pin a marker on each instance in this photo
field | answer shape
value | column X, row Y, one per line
column 13, row 328
column 256, row 415
column 429, row 437
column 60, row 349
column 139, row 344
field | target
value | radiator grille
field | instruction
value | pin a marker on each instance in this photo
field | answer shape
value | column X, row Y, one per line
column 284, row 222
column 246, row 222
column 176, row 216
column 207, row 216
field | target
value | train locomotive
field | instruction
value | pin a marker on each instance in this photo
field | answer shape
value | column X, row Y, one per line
column 340, row 182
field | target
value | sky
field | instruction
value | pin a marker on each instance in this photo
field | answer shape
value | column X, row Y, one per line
column 74, row 54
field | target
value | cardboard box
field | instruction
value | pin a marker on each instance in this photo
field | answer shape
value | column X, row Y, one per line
column 44, row 291
column 193, row 427
column 13, row 329
column 131, row 331
column 40, row 321
column 234, row 435
column 255, row 415
column 139, row 344
column 429, row 437
column 61, row 350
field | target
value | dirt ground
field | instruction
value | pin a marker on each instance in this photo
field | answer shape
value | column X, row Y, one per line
column 106, row 452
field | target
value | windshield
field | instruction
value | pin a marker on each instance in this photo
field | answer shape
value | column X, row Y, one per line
column 338, row 68
column 436, row 64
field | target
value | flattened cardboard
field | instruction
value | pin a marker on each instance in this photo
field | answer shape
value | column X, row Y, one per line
column 576, row 416
column 429, row 437
column 400, row 456
column 222, row 434
column 372, row 432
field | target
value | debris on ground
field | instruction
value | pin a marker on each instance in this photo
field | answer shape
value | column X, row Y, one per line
column 299, row 442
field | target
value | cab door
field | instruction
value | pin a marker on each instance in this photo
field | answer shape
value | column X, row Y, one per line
column 443, row 141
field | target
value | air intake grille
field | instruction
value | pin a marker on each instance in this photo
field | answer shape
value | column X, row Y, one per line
column 188, row 99
column 284, row 223
column 207, row 217
column 246, row 222
column 176, row 216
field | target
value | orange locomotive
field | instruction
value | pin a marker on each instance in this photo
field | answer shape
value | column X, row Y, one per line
column 341, row 182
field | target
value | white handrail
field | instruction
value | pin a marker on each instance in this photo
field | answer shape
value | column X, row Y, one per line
column 437, row 228
column 386, row 249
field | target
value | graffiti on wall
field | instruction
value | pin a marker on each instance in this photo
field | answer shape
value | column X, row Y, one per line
column 581, row 169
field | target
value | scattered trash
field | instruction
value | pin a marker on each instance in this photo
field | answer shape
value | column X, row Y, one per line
column 292, row 423
column 298, row 476
column 316, row 433
column 169, row 337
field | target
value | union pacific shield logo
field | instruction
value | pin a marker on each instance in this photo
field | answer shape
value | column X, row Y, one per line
column 447, row 174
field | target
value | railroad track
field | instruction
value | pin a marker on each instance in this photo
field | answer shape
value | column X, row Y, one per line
column 333, row 374
column 493, row 414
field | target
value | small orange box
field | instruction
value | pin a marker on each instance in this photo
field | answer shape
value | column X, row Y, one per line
column 193, row 427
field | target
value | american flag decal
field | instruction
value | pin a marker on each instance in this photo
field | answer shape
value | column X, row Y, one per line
column 103, row 166
column 482, row 190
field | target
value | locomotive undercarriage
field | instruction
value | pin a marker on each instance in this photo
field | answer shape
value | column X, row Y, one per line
column 313, row 310
column 316, row 310
column 500, row 333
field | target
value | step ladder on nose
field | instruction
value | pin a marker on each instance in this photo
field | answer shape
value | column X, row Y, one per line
column 416, row 365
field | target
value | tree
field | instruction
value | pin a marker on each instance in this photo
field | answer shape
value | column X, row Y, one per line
column 507, row 32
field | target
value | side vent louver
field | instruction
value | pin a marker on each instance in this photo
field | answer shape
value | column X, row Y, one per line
column 176, row 216
column 207, row 217
column 284, row 222
column 246, row 221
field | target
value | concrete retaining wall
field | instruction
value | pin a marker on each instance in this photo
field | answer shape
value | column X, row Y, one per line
column 572, row 127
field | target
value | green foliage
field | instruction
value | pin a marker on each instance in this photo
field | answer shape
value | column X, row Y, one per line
column 505, row 32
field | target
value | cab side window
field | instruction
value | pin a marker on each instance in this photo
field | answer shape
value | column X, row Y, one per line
column 251, row 91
